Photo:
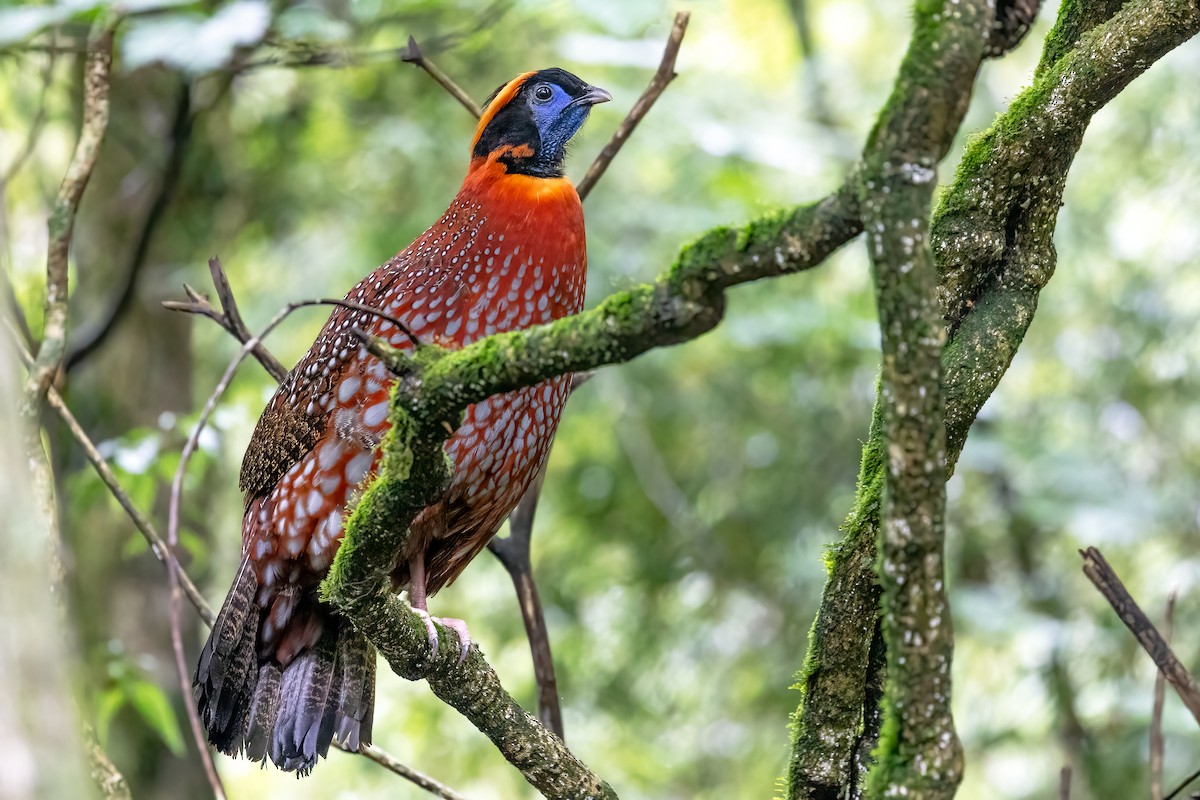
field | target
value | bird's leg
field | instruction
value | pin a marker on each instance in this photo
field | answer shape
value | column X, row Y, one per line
column 419, row 600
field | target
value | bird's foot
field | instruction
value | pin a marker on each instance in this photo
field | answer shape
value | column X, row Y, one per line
column 456, row 625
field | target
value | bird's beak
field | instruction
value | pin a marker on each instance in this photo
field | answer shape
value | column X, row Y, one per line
column 593, row 96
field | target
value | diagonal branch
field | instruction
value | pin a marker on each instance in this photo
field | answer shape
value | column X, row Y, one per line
column 658, row 84
column 413, row 55
column 1106, row 581
column 229, row 317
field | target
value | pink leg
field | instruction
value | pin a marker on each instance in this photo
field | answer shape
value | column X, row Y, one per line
column 419, row 601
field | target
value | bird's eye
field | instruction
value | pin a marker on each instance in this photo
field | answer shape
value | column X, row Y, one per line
column 542, row 93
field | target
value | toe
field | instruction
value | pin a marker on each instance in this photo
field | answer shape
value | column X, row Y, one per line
column 431, row 630
column 464, row 636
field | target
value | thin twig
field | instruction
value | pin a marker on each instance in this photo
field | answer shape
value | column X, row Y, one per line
column 1064, row 784
column 92, row 337
column 1156, row 716
column 664, row 75
column 1106, row 581
column 413, row 55
column 229, row 317
column 389, row 762
column 62, row 218
column 234, row 325
column 1183, row 785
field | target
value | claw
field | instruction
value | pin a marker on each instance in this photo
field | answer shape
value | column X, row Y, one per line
column 431, row 630
column 464, row 635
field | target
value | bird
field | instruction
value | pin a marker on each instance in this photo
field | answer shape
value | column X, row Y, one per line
column 282, row 674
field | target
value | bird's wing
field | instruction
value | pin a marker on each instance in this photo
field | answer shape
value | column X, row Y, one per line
column 296, row 419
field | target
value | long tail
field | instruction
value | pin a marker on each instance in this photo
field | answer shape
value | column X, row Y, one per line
column 289, row 712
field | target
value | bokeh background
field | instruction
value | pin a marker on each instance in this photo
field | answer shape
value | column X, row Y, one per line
column 690, row 495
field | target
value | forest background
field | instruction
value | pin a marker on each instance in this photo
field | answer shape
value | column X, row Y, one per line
column 690, row 496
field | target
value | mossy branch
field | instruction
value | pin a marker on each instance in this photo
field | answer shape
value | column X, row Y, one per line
column 918, row 754
column 992, row 240
column 435, row 386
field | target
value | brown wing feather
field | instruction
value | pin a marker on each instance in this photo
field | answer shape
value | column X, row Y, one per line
column 295, row 419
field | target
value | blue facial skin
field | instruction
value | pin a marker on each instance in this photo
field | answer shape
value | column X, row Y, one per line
column 558, row 118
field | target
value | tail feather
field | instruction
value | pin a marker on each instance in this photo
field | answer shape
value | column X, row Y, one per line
column 305, row 726
column 264, row 710
column 249, row 702
column 356, row 660
column 227, row 666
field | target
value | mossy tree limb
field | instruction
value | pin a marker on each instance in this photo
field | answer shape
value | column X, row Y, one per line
column 435, row 386
column 919, row 754
column 989, row 288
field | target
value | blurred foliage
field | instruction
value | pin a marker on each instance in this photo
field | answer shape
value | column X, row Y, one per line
column 679, row 543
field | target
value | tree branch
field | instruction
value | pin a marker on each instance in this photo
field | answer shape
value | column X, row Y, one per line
column 435, row 385
column 62, row 218
column 1109, row 584
column 658, row 84
column 989, row 289
column 413, row 55
column 919, row 754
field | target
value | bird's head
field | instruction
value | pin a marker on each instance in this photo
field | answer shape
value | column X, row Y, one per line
column 527, row 122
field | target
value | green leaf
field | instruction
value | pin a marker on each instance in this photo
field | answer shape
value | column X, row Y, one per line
column 110, row 701
column 154, row 707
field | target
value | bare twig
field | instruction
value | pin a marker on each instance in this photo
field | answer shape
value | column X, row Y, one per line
column 93, row 336
column 234, row 324
column 413, row 55
column 664, row 75
column 228, row 317
column 1175, row 792
column 1102, row 575
column 62, row 218
column 1064, row 784
column 389, row 762
column 1160, row 691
